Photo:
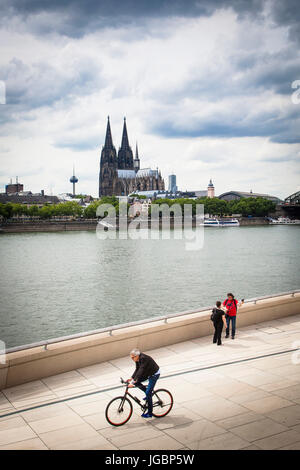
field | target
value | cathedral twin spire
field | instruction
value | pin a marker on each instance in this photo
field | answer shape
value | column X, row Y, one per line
column 125, row 142
column 125, row 155
column 108, row 138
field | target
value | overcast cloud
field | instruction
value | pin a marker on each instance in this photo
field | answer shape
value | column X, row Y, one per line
column 206, row 87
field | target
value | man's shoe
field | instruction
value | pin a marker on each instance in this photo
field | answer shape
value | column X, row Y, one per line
column 146, row 415
column 232, row 337
column 227, row 336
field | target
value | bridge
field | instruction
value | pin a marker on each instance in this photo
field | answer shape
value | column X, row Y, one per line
column 293, row 199
column 291, row 205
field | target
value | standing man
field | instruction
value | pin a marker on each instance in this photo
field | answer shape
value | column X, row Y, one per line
column 145, row 368
column 231, row 304
column 218, row 318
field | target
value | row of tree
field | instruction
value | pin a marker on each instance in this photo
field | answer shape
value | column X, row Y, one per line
column 63, row 209
column 246, row 206
column 258, row 207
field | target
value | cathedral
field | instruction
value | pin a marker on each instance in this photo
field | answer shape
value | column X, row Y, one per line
column 120, row 174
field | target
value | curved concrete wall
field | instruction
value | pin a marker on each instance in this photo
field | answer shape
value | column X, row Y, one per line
column 35, row 363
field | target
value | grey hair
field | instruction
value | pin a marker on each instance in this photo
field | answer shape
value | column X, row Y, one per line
column 135, row 352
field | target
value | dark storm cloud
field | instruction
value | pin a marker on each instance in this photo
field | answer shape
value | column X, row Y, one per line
column 249, row 73
column 41, row 84
column 113, row 8
column 264, row 75
column 274, row 71
column 233, row 123
column 287, row 13
column 75, row 18
column 79, row 145
column 244, row 75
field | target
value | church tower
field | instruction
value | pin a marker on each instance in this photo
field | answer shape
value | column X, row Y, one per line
column 136, row 162
column 108, row 165
column 210, row 189
column 125, row 155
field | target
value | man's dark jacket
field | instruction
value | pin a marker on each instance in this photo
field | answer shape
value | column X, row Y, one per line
column 144, row 368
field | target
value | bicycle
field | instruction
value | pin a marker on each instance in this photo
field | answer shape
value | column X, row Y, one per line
column 119, row 409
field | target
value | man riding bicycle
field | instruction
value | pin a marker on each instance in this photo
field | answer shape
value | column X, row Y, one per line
column 145, row 368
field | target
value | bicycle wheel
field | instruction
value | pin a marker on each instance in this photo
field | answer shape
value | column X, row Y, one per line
column 162, row 402
column 118, row 411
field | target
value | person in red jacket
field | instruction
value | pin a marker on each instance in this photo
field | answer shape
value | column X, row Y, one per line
column 231, row 304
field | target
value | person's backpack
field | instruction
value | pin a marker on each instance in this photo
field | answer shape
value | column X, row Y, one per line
column 213, row 315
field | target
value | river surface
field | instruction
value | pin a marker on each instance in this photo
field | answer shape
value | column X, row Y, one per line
column 56, row 284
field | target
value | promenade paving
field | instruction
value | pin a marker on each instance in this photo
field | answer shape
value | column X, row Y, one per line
column 225, row 397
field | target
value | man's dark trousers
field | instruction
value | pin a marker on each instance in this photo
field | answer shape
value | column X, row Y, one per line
column 218, row 332
column 148, row 390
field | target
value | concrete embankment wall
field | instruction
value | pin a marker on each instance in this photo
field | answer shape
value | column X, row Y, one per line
column 47, row 226
column 37, row 362
column 245, row 221
column 75, row 225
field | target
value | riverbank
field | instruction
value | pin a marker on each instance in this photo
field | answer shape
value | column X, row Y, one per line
column 47, row 226
column 22, row 226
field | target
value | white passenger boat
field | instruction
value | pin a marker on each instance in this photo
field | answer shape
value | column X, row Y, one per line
column 105, row 224
column 284, row 221
column 214, row 222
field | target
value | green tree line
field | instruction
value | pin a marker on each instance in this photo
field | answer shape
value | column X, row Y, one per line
column 256, row 206
column 69, row 208
column 246, row 206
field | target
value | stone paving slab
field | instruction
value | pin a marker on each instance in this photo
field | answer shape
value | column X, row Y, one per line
column 253, row 404
column 28, row 444
column 222, row 442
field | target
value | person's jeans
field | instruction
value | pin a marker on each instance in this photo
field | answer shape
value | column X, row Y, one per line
column 218, row 332
column 233, row 323
column 148, row 390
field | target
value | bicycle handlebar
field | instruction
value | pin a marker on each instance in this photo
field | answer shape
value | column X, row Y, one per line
column 125, row 382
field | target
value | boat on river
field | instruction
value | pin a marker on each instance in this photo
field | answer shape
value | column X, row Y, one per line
column 215, row 222
column 284, row 221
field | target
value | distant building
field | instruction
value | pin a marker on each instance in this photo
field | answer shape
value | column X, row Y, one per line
column 152, row 194
column 120, row 174
column 140, row 208
column 166, row 194
column 172, row 184
column 29, row 199
column 84, row 200
column 210, row 189
column 65, row 197
column 236, row 195
column 14, row 188
column 202, row 193
column 186, row 194
column 209, row 192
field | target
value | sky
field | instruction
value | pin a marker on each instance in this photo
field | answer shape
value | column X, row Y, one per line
column 210, row 89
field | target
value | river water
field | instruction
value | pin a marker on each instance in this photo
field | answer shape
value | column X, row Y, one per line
column 56, row 284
